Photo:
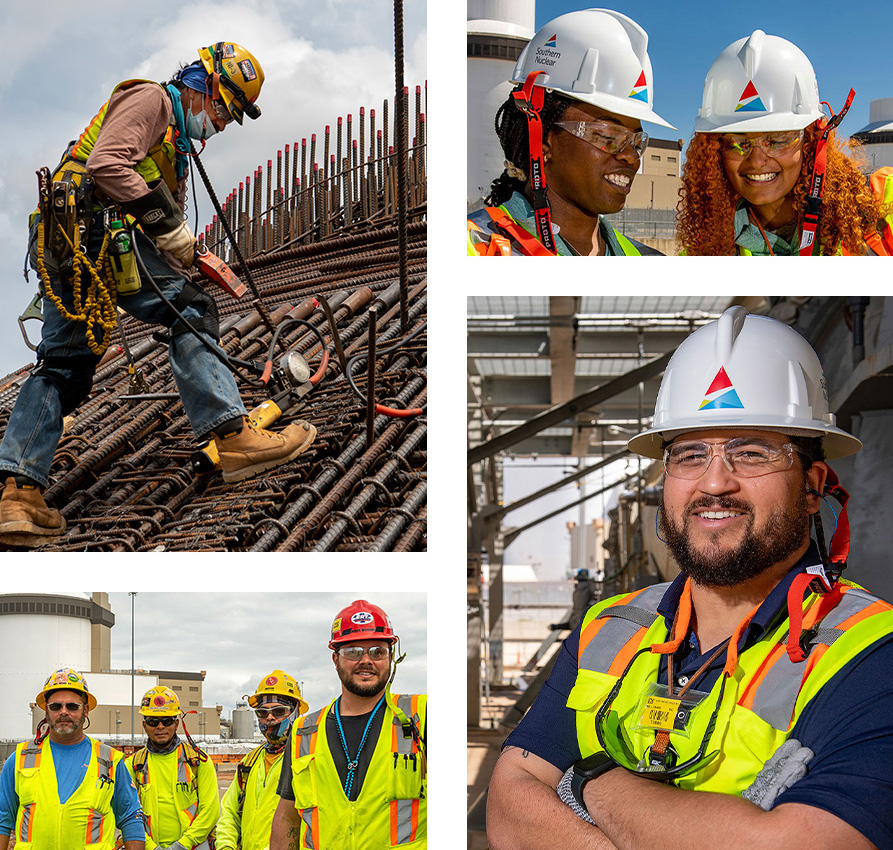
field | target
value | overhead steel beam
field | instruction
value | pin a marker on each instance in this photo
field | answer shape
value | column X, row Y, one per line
column 560, row 412
column 512, row 534
column 500, row 512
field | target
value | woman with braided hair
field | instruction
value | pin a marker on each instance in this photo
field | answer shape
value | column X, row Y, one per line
column 765, row 173
column 572, row 136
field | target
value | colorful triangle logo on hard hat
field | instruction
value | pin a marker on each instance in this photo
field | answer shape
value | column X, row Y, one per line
column 720, row 393
column 750, row 100
column 552, row 41
column 640, row 89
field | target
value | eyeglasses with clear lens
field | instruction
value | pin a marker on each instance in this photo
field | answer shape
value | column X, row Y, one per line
column 605, row 136
column 164, row 721
column 747, row 458
column 355, row 653
column 70, row 707
column 772, row 144
column 221, row 111
column 276, row 713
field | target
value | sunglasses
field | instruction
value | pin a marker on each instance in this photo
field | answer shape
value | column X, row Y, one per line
column 661, row 767
column 275, row 713
column 355, row 653
column 164, row 721
column 605, row 136
column 772, row 144
column 70, row 707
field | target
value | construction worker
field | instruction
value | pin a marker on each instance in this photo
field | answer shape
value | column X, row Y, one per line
column 572, row 136
column 249, row 803
column 131, row 160
column 758, row 674
column 65, row 789
column 355, row 773
column 176, row 781
column 765, row 173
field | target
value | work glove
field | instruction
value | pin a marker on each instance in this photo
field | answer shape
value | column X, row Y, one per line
column 567, row 797
column 181, row 243
column 787, row 766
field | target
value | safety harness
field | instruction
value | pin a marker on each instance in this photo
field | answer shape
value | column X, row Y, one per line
column 821, row 579
column 242, row 771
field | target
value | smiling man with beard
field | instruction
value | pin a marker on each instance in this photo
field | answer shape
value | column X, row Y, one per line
column 758, row 674
column 355, row 773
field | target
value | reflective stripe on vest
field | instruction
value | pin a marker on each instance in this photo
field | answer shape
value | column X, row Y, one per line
column 84, row 820
column 185, row 791
column 395, row 776
column 770, row 691
column 160, row 159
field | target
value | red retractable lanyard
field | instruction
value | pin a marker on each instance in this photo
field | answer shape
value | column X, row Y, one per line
column 808, row 242
column 530, row 101
column 820, row 579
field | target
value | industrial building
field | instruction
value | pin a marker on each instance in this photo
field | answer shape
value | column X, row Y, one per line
column 54, row 630
column 330, row 250
column 556, row 387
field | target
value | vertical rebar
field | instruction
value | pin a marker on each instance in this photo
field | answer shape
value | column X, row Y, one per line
column 400, row 120
column 347, row 147
column 325, row 155
column 370, row 382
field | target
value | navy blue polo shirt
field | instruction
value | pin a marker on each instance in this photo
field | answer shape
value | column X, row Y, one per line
column 848, row 724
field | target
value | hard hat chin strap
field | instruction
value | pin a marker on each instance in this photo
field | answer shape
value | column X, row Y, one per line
column 812, row 215
column 530, row 101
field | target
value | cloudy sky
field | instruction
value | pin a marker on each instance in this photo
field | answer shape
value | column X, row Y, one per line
column 322, row 59
column 240, row 637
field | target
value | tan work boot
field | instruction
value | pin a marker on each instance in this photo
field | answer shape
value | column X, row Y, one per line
column 254, row 450
column 25, row 519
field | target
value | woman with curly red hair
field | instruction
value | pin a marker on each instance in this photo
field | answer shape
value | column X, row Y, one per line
column 765, row 174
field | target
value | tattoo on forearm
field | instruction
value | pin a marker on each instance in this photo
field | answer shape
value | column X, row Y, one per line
column 294, row 836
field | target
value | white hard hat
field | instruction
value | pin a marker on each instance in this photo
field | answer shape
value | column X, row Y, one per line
column 596, row 56
column 744, row 372
column 760, row 83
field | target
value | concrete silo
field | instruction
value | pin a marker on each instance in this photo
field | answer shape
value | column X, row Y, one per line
column 498, row 30
column 39, row 633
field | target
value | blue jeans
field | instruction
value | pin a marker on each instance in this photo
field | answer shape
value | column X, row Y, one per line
column 66, row 366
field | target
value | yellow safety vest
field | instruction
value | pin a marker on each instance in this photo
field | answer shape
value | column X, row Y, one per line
column 391, row 809
column 762, row 700
column 84, row 820
column 251, row 829
column 157, row 165
column 156, row 795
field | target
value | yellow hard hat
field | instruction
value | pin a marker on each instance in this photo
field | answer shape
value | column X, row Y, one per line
column 65, row 679
column 160, row 702
column 236, row 77
column 278, row 683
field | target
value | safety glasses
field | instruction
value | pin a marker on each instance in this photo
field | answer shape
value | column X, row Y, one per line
column 276, row 713
column 660, row 767
column 70, row 707
column 772, row 144
column 605, row 136
column 743, row 456
column 355, row 653
column 221, row 111
column 164, row 721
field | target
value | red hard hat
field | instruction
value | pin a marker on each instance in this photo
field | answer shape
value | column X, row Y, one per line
column 361, row 620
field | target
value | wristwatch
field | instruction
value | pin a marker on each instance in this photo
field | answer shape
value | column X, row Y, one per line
column 589, row 768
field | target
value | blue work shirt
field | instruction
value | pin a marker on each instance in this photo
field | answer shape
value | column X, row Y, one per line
column 70, row 761
column 848, row 724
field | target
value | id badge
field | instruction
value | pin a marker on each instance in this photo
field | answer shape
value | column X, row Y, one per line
column 659, row 712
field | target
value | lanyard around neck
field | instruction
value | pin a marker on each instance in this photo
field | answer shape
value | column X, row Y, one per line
column 353, row 763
